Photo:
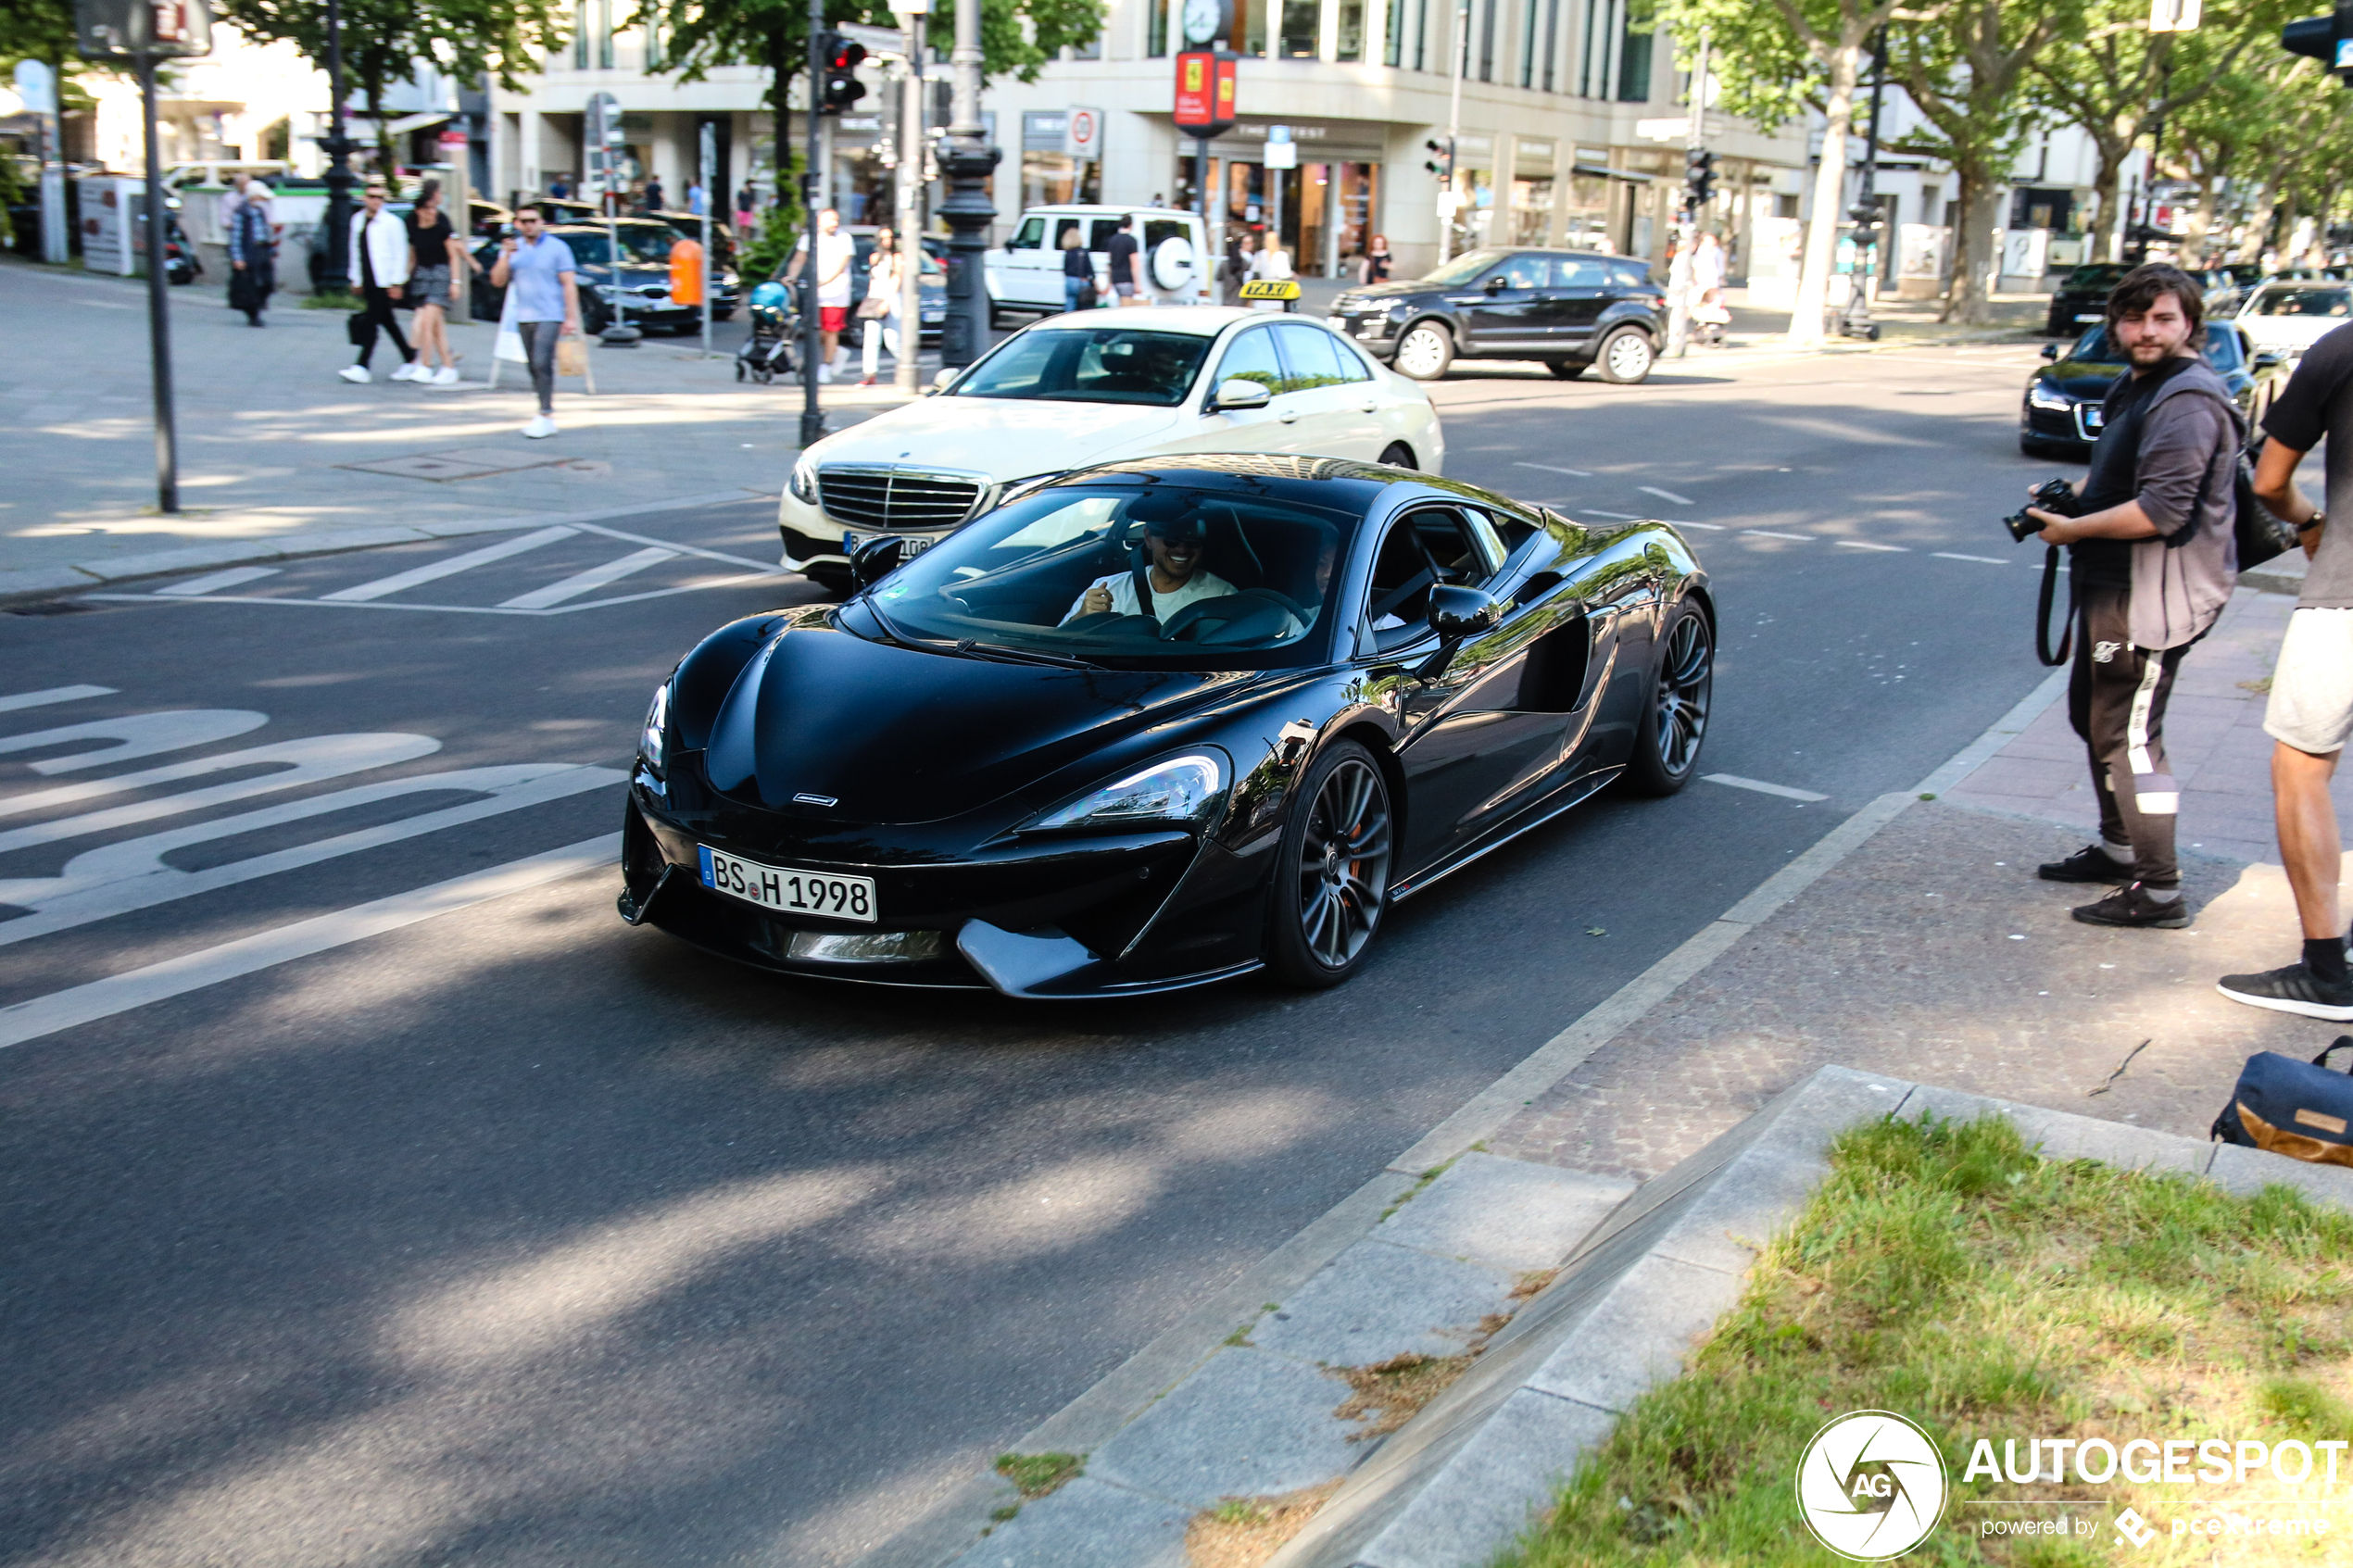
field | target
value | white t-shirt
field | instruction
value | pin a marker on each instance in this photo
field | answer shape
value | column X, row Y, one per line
column 1199, row 586
column 834, row 252
column 1271, row 263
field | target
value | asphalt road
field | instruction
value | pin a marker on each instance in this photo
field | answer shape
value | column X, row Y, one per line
column 517, row 1237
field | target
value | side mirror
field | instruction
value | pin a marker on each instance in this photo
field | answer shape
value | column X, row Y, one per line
column 1497, row 283
column 1235, row 395
column 2267, row 357
column 1456, row 612
column 876, row 560
column 941, row 377
column 2050, row 351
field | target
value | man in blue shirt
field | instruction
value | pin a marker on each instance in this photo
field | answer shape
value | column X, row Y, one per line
column 539, row 270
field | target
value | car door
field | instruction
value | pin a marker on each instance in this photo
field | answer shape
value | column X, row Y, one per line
column 1577, row 289
column 1339, row 410
column 1249, row 355
column 1033, row 272
column 1502, row 312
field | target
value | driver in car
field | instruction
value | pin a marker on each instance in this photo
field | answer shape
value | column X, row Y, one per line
column 1175, row 575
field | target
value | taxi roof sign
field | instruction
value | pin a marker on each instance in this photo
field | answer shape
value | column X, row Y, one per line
column 1270, row 288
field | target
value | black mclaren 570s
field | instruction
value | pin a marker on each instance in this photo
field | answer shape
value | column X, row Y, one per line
column 1158, row 723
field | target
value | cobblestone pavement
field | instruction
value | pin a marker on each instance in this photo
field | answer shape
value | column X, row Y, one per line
column 1931, row 953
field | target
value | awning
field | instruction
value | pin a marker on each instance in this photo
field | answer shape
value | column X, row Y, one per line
column 417, row 121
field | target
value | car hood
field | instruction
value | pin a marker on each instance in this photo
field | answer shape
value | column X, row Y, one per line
column 1000, row 437
column 2084, row 381
column 2289, row 330
column 893, row 735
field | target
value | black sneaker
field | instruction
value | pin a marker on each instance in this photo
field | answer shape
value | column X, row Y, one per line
column 2089, row 863
column 2130, row 905
column 2293, row 989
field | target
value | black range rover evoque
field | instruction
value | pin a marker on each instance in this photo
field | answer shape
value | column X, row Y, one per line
column 1570, row 309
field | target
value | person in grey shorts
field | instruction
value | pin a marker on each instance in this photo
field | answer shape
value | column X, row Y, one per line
column 2311, row 712
column 541, row 271
column 433, row 242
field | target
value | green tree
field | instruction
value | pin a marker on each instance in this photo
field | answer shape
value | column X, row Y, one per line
column 2210, row 139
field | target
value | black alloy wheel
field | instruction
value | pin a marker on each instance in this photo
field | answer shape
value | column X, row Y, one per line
column 1397, row 455
column 1675, row 720
column 1332, row 872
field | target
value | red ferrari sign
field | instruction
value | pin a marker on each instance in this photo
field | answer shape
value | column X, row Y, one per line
column 1204, row 92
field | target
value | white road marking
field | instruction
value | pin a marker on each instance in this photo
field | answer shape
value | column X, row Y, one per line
column 218, row 581
column 55, row 694
column 137, row 734
column 193, row 971
column 1553, row 468
column 301, row 763
column 1665, row 494
column 118, row 878
column 694, row 587
column 1983, row 560
column 1768, row 533
column 448, row 567
column 1761, row 787
column 589, row 581
column 1865, row 544
column 689, row 549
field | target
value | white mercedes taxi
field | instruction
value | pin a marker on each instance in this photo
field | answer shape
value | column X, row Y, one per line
column 2287, row 314
column 1098, row 386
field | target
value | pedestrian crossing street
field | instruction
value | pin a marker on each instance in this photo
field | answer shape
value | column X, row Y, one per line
column 254, row 798
column 558, row 569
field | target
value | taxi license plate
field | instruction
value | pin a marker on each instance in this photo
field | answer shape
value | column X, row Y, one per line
column 787, row 890
column 910, row 545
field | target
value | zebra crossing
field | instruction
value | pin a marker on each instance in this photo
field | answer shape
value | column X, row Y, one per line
column 561, row 569
column 177, row 801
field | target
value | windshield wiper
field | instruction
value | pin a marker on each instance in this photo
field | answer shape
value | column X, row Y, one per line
column 1022, row 656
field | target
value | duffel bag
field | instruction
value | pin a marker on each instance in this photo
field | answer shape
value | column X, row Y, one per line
column 2298, row 1109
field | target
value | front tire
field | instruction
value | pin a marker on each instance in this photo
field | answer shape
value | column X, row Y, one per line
column 1424, row 351
column 1674, row 722
column 1331, row 871
column 1627, row 357
column 1397, row 455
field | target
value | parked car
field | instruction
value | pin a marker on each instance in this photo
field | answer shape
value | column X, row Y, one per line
column 1094, row 387
column 1026, row 274
column 967, row 778
column 2061, row 415
column 689, row 226
column 933, row 284
column 2081, row 299
column 641, row 293
column 1570, row 309
column 2288, row 315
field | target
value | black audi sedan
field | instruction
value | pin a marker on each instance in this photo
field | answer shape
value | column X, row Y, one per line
column 2060, row 414
column 641, row 292
column 1570, row 309
column 991, row 769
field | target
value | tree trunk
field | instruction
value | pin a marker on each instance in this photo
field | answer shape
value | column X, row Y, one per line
column 2257, row 232
column 1975, row 258
column 2201, row 223
column 2108, row 237
column 1829, row 196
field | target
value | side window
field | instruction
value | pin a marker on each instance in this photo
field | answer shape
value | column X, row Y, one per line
column 1251, row 357
column 1104, row 229
column 1577, row 272
column 1032, row 234
column 1311, row 356
column 1625, row 277
column 1521, row 272
column 1422, row 549
column 1065, row 226
column 1159, row 231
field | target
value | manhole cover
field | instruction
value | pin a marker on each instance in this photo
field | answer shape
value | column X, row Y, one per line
column 444, row 467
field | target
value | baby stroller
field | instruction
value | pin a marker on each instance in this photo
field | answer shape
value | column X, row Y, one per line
column 767, row 354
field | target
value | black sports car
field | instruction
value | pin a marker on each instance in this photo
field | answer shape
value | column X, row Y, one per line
column 641, row 293
column 1570, row 308
column 988, row 769
column 2060, row 414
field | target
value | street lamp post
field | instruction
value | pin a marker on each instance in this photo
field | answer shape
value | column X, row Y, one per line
column 812, row 418
column 336, row 277
column 910, row 193
column 967, row 162
column 1865, row 212
column 1451, row 205
column 159, row 304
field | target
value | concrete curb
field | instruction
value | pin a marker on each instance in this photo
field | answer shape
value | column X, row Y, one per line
column 952, row 1524
column 47, row 581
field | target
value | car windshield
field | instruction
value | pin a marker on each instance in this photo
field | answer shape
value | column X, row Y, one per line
column 2106, row 275
column 2317, row 300
column 1239, row 580
column 1089, row 365
column 1466, row 267
column 2096, row 347
column 642, row 244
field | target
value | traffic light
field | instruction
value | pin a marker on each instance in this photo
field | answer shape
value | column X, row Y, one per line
column 1441, row 161
column 1699, row 177
column 839, row 86
column 2326, row 39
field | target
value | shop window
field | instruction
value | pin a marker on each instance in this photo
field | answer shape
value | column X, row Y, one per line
column 1051, row 180
column 1301, row 21
column 1531, row 210
column 1351, row 45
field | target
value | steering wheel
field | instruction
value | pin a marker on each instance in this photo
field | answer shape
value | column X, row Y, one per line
column 1254, row 614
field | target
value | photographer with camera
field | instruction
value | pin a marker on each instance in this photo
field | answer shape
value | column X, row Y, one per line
column 2153, row 561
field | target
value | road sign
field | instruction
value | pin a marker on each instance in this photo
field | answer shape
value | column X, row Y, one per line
column 1083, row 132
column 37, row 85
column 2173, row 16
column 1204, row 93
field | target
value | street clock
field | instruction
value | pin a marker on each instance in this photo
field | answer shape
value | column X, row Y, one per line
column 1205, row 20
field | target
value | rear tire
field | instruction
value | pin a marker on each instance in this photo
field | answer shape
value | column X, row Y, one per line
column 1666, row 746
column 1397, row 455
column 1626, row 357
column 1566, row 369
column 1331, row 871
column 1424, row 352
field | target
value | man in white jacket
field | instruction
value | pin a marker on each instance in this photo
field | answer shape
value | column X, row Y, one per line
column 380, row 266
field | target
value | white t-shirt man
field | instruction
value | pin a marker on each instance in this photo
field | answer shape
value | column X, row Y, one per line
column 834, row 252
column 1121, row 586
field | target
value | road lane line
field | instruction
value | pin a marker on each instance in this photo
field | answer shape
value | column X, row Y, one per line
column 1554, row 468
column 1981, row 560
column 1665, row 494
column 1768, row 533
column 233, row 578
column 770, row 567
column 364, row 591
column 1761, row 787
column 193, row 971
column 588, row 582
column 55, row 694
column 1865, row 544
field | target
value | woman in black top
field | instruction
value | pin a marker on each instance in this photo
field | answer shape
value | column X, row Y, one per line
column 1375, row 268
column 434, row 243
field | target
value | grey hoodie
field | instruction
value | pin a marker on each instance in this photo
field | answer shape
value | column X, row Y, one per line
column 2182, row 578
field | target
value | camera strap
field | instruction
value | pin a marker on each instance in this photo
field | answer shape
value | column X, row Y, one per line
column 2043, row 612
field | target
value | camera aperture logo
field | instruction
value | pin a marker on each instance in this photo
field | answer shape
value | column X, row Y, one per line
column 1872, row 1485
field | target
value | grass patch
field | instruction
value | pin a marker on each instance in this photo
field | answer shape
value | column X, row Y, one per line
column 331, row 302
column 1944, row 1271
column 1034, row 1475
column 1421, row 1183
column 1245, row 1531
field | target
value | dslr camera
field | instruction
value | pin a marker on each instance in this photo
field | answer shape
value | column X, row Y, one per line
column 2054, row 495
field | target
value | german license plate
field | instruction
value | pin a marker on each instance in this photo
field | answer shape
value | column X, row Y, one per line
column 2083, row 317
column 910, row 545
column 787, row 890
column 1338, row 323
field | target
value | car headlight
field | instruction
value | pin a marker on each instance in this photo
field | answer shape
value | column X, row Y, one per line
column 804, row 482
column 649, row 738
column 1187, row 790
column 2042, row 394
